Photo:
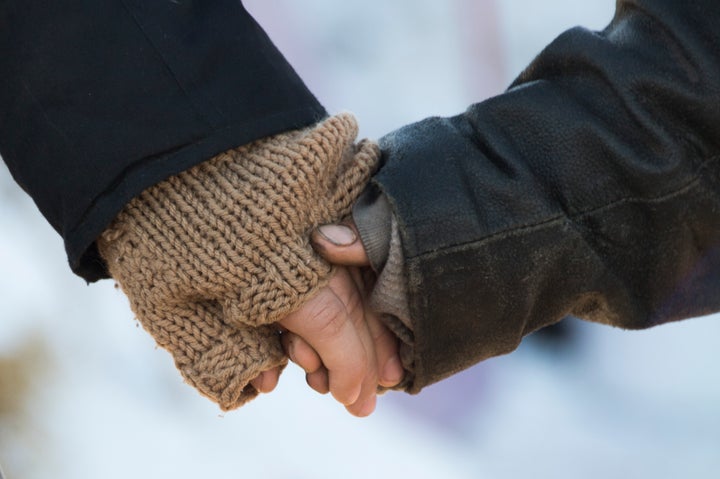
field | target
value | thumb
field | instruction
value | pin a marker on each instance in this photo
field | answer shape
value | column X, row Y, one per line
column 340, row 244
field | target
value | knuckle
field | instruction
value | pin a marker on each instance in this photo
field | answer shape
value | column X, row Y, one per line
column 329, row 320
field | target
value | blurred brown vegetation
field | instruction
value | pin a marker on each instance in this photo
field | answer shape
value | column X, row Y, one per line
column 21, row 371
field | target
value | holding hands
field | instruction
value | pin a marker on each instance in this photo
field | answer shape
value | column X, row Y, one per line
column 216, row 261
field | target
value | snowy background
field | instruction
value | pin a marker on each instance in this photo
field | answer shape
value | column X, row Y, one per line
column 84, row 393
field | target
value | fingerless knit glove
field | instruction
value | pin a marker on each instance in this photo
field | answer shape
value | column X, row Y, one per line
column 212, row 257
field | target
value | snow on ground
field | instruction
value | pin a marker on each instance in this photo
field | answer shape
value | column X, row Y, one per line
column 616, row 404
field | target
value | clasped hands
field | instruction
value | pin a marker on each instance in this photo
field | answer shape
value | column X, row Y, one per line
column 341, row 344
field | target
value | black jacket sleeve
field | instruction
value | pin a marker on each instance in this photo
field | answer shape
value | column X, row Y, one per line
column 590, row 188
column 100, row 99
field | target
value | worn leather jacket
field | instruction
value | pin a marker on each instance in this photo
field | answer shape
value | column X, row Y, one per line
column 590, row 188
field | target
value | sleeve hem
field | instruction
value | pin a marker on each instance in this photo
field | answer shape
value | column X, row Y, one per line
column 80, row 240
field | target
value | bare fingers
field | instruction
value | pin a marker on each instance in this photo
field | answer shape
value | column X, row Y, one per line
column 302, row 354
column 266, row 381
column 390, row 370
column 319, row 380
column 328, row 323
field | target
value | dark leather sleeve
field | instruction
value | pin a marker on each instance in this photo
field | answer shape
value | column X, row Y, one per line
column 100, row 99
column 590, row 188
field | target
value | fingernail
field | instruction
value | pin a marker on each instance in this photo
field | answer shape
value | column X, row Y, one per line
column 393, row 371
column 338, row 235
column 291, row 349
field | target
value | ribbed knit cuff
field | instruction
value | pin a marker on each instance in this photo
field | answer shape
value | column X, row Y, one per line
column 380, row 235
column 373, row 216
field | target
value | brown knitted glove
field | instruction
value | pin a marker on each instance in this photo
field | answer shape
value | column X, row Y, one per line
column 212, row 257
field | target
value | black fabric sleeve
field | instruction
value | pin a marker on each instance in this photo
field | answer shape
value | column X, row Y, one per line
column 100, row 99
column 590, row 188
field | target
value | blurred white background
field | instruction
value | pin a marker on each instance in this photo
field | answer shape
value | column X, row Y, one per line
column 84, row 393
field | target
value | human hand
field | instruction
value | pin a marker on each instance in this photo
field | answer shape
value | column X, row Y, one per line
column 343, row 347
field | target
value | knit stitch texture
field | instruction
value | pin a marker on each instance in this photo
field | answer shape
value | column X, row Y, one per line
column 211, row 258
